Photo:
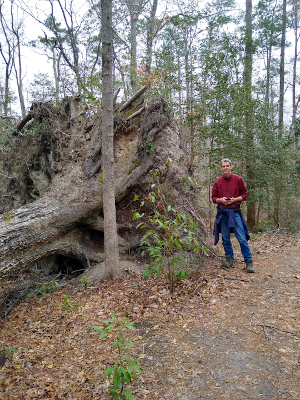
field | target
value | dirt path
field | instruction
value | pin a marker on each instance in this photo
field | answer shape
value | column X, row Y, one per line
column 246, row 344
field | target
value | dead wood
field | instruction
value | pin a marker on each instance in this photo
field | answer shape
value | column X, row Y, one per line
column 24, row 121
column 274, row 328
column 52, row 208
column 137, row 95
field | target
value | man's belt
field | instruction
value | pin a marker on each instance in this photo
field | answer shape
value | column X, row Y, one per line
column 237, row 207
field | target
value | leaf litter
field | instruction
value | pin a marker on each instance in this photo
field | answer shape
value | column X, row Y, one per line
column 222, row 334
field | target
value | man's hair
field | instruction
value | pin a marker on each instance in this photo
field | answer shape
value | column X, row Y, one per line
column 226, row 160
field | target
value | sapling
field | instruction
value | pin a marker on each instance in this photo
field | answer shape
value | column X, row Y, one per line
column 123, row 368
column 171, row 235
column 6, row 351
column 67, row 306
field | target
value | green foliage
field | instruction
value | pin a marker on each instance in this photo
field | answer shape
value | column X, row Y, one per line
column 67, row 306
column 6, row 351
column 171, row 239
column 48, row 287
column 42, row 88
column 7, row 128
column 123, row 369
column 84, row 280
column 295, row 226
column 265, row 226
column 35, row 129
column 149, row 147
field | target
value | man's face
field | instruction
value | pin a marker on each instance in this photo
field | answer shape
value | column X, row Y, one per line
column 226, row 169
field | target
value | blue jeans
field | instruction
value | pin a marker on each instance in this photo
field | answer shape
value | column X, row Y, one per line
column 239, row 234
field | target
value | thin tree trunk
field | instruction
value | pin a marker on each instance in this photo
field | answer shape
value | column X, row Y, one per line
column 248, row 114
column 267, row 97
column 135, row 7
column 179, row 84
column 278, row 183
column 150, row 36
column 8, row 60
column 6, row 91
column 296, row 39
column 282, row 54
column 295, row 74
column 110, row 225
column 133, row 64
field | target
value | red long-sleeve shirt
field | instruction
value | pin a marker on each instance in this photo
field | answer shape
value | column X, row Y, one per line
column 233, row 186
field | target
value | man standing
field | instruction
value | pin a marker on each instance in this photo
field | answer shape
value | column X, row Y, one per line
column 228, row 192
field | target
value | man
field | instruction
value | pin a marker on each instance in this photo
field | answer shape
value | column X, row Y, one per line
column 228, row 192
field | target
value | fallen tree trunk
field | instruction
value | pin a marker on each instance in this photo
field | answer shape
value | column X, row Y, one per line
column 65, row 160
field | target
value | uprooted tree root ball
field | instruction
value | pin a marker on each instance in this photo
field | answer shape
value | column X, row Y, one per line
column 51, row 194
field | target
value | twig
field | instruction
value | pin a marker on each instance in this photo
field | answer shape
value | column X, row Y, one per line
column 274, row 328
column 256, row 333
column 63, row 133
column 88, row 261
column 6, row 176
column 265, row 332
column 234, row 279
column 280, row 280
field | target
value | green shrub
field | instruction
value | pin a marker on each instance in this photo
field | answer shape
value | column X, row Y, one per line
column 123, row 368
column 171, row 239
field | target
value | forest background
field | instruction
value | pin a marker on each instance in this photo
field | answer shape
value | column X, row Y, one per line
column 228, row 70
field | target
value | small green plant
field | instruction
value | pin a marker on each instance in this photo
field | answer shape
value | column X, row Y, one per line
column 171, row 235
column 6, row 351
column 123, row 368
column 149, row 147
column 85, row 281
column 48, row 287
column 36, row 129
column 67, row 306
column 188, row 179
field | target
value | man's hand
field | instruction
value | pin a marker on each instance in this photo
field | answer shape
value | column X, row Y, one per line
column 223, row 200
column 227, row 201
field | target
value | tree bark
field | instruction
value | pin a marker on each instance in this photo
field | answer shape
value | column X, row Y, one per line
column 248, row 114
column 135, row 7
column 8, row 60
column 296, row 39
column 281, row 73
column 150, row 36
column 110, row 225
column 18, row 68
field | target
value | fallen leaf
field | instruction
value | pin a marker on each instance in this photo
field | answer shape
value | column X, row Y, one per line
column 282, row 351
